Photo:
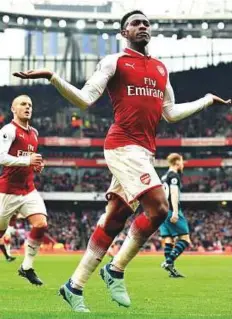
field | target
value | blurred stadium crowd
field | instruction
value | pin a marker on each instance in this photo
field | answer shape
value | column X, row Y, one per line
column 210, row 230
column 98, row 180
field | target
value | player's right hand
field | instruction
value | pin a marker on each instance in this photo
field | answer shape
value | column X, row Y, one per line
column 39, row 168
column 35, row 159
column 174, row 218
column 34, row 74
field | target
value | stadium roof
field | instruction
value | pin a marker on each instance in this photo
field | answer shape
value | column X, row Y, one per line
column 158, row 9
column 197, row 18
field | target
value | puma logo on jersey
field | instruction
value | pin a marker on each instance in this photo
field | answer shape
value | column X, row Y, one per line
column 130, row 65
column 21, row 135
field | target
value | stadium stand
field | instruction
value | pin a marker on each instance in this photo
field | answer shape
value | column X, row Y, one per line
column 211, row 230
column 98, row 179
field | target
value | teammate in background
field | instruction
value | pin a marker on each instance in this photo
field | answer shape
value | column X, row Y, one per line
column 141, row 94
column 18, row 147
column 175, row 224
column 5, row 244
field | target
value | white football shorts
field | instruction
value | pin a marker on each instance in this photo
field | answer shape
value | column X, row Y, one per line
column 133, row 172
column 26, row 205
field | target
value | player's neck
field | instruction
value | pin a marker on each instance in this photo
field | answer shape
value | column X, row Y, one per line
column 173, row 169
column 139, row 48
column 24, row 124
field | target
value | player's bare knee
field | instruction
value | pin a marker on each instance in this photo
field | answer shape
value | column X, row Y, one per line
column 168, row 240
column 115, row 223
column 155, row 204
column 158, row 214
column 39, row 222
column 114, row 227
column 186, row 238
column 162, row 209
column 114, row 219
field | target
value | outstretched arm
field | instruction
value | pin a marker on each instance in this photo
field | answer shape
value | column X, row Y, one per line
column 175, row 112
column 84, row 97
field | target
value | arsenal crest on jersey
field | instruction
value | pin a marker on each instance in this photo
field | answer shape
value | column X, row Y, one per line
column 145, row 178
column 161, row 70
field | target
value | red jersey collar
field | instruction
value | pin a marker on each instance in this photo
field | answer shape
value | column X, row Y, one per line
column 18, row 125
column 135, row 53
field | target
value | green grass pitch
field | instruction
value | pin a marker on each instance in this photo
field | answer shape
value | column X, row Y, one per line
column 205, row 293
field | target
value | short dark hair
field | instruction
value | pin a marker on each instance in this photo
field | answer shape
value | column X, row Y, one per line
column 127, row 15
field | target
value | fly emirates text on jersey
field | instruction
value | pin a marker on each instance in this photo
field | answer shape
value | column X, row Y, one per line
column 145, row 90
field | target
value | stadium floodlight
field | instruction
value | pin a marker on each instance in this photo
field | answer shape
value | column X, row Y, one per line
column 80, row 24
column 100, row 24
column 160, row 36
column 105, row 36
column 155, row 26
column 221, row 25
column 116, row 25
column 47, row 22
column 62, row 23
column 174, row 36
column 204, row 37
column 25, row 21
column 204, row 25
column 6, row 19
column 118, row 36
column 189, row 26
column 189, row 37
column 20, row 20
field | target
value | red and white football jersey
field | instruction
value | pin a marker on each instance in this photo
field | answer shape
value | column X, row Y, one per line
column 136, row 84
column 136, row 89
column 16, row 145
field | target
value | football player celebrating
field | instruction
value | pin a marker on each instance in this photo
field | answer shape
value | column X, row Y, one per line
column 18, row 147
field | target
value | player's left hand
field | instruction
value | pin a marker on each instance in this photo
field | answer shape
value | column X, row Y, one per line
column 174, row 218
column 39, row 168
column 217, row 99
